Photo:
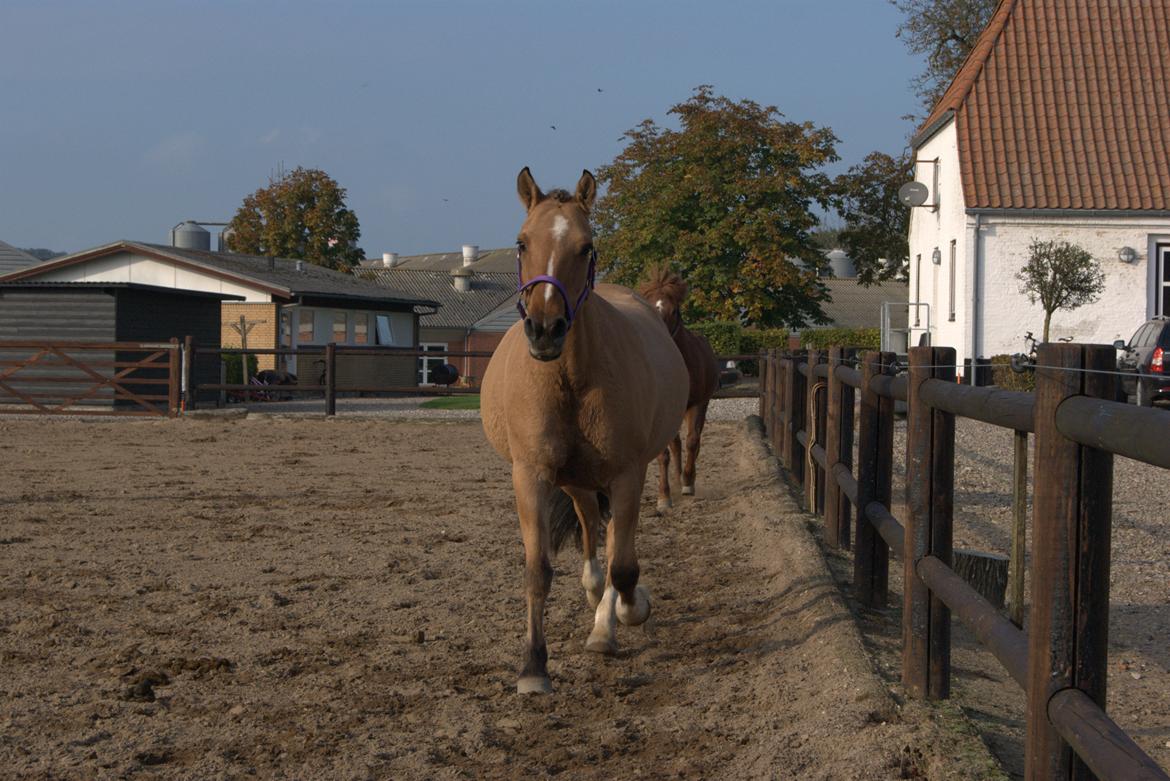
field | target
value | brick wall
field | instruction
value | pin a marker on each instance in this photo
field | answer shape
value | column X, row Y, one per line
column 262, row 335
column 481, row 340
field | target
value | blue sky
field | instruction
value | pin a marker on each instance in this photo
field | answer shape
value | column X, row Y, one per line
column 120, row 118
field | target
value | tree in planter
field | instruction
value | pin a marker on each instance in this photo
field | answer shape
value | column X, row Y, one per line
column 1060, row 275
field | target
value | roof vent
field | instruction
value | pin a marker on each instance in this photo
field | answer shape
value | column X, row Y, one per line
column 470, row 253
column 300, row 267
column 189, row 235
column 389, row 259
column 461, row 278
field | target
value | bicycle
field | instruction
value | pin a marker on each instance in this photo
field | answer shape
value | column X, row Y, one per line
column 1022, row 362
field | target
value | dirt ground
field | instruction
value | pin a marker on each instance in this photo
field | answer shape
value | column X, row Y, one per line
column 309, row 598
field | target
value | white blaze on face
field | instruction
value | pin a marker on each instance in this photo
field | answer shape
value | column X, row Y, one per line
column 659, row 305
column 560, row 227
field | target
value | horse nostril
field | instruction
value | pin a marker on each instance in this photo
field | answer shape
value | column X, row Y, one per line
column 559, row 327
column 529, row 328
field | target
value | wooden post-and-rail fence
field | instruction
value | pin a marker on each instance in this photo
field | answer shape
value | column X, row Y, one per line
column 810, row 403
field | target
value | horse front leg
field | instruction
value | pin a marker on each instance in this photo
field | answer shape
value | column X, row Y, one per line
column 532, row 502
column 624, row 600
column 589, row 514
column 696, row 418
column 664, row 480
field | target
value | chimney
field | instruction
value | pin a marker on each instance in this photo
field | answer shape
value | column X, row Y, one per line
column 470, row 253
column 461, row 278
column 389, row 259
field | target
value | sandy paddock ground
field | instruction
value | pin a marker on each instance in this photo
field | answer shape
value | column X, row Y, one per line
column 309, row 598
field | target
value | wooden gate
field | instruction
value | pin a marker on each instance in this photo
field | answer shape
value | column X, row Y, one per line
column 86, row 378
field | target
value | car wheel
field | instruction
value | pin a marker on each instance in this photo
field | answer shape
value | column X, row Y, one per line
column 1142, row 395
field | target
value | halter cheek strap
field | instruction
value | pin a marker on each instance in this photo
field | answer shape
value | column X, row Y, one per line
column 570, row 310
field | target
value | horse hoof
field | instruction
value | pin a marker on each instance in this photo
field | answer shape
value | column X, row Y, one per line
column 533, row 684
column 637, row 613
column 664, row 504
column 688, row 490
column 601, row 644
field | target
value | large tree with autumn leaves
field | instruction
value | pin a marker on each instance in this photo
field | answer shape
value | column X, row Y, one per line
column 300, row 214
column 727, row 200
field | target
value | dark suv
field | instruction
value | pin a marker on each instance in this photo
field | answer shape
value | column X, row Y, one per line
column 1145, row 362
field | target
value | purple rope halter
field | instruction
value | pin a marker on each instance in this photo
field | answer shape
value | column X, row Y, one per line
column 570, row 311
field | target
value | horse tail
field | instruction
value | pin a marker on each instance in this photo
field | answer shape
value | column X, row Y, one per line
column 563, row 521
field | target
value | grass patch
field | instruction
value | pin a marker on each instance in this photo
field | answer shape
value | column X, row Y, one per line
column 462, row 401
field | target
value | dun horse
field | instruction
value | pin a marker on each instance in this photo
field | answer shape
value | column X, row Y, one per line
column 666, row 290
column 580, row 396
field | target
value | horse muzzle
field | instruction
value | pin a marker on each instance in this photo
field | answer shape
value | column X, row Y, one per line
column 545, row 342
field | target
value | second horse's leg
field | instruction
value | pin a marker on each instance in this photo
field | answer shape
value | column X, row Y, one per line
column 696, row 419
column 589, row 514
column 664, row 480
column 624, row 600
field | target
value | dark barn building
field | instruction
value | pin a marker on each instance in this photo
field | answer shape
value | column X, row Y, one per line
column 100, row 313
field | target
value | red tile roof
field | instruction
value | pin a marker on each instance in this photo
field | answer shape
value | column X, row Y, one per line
column 1065, row 104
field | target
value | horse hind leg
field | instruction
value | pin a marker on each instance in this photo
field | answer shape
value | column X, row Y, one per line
column 664, row 480
column 676, row 454
column 696, row 419
column 532, row 504
column 587, row 503
column 623, row 600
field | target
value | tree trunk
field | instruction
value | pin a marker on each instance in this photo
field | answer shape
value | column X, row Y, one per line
column 1047, row 320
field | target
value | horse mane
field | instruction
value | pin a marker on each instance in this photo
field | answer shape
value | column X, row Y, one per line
column 661, row 282
column 559, row 195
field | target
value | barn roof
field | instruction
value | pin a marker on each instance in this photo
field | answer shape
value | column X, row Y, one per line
column 457, row 309
column 1064, row 104
column 13, row 259
column 279, row 277
column 492, row 261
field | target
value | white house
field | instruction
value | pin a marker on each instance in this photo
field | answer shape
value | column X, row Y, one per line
column 1057, row 127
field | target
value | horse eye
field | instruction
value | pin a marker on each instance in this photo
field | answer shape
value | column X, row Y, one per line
column 587, row 250
column 521, row 246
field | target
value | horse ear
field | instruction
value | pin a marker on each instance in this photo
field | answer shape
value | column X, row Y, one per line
column 526, row 188
column 586, row 191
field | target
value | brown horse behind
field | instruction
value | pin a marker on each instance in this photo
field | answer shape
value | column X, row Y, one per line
column 666, row 291
column 580, row 397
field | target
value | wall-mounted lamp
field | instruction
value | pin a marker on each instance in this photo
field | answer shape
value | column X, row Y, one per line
column 936, row 257
column 1126, row 255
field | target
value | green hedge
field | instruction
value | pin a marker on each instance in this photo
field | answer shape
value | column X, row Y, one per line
column 1003, row 376
column 821, row 338
column 233, row 369
column 728, row 338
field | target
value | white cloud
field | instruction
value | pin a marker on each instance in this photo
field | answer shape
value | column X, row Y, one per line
column 177, row 151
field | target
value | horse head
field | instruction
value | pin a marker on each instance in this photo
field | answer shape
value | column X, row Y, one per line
column 666, row 291
column 554, row 253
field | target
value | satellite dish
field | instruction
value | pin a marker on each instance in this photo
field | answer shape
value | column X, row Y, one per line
column 913, row 194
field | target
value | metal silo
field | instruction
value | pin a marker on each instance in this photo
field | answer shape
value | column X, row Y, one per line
column 190, row 235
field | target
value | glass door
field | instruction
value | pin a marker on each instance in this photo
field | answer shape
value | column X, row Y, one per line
column 427, row 364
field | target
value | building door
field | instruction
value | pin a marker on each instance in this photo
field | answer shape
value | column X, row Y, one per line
column 1162, row 281
column 427, row 364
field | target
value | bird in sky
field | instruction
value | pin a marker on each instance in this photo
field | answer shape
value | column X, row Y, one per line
column 599, row 89
column 554, row 127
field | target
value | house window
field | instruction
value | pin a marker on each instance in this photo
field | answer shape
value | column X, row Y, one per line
column 383, row 330
column 361, row 328
column 1162, row 290
column 305, row 326
column 917, row 285
column 426, row 365
column 285, row 328
column 951, row 306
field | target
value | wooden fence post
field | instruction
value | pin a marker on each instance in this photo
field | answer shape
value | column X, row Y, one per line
column 174, row 377
column 833, row 498
column 1072, row 518
column 1019, row 525
column 331, row 378
column 875, row 469
column 811, row 422
column 781, row 443
column 794, row 400
column 930, row 480
column 765, row 365
column 776, row 403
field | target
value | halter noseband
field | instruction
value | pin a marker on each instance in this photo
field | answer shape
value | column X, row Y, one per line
column 570, row 311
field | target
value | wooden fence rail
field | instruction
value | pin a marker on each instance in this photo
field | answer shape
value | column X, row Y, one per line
column 809, row 404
